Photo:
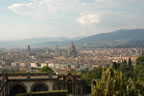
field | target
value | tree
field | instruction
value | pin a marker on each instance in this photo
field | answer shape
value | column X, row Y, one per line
column 126, row 69
column 95, row 73
column 46, row 69
column 129, row 62
column 139, row 73
column 87, row 77
column 140, row 60
column 139, row 77
column 113, row 83
column 115, row 65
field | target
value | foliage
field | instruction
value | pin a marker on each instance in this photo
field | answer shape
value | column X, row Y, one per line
column 95, row 73
column 140, row 86
column 129, row 70
column 9, row 70
column 46, row 69
column 69, row 95
column 139, row 73
column 115, row 65
column 113, row 83
column 120, row 79
column 46, row 93
column 87, row 77
column 140, row 60
column 125, row 67
column 129, row 62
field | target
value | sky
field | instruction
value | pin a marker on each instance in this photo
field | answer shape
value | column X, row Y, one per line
column 22, row 19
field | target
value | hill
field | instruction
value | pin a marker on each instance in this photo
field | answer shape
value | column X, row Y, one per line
column 119, row 38
column 36, row 42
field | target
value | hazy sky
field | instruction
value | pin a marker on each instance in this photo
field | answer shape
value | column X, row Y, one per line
column 20, row 19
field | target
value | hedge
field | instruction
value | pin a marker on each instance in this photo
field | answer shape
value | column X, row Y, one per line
column 46, row 93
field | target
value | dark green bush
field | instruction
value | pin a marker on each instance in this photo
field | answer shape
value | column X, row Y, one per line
column 46, row 93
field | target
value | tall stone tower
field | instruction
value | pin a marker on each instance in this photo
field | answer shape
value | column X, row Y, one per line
column 142, row 52
column 57, row 50
column 72, row 50
column 28, row 50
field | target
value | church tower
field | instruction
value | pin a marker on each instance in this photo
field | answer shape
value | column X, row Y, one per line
column 28, row 50
column 72, row 50
column 56, row 50
column 142, row 52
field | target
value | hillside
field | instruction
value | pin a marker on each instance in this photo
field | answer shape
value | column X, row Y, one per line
column 120, row 38
column 36, row 42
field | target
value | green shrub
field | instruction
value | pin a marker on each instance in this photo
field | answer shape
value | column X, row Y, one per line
column 46, row 93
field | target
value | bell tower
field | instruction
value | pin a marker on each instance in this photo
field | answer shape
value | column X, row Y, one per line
column 28, row 50
column 72, row 50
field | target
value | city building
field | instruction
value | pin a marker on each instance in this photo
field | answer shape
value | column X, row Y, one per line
column 12, row 84
column 28, row 50
column 72, row 50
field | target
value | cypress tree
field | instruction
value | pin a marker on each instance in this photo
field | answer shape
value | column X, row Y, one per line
column 129, row 62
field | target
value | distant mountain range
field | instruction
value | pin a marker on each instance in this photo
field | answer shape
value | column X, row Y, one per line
column 34, row 42
column 119, row 38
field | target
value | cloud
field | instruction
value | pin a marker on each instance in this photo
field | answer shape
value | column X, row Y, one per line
column 89, row 12
column 113, row 3
column 45, row 8
column 89, row 19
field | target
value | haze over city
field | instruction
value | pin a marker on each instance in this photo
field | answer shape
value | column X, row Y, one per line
column 22, row 19
column 71, row 47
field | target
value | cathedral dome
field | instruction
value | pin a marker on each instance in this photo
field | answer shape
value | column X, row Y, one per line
column 72, row 50
column 71, row 47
